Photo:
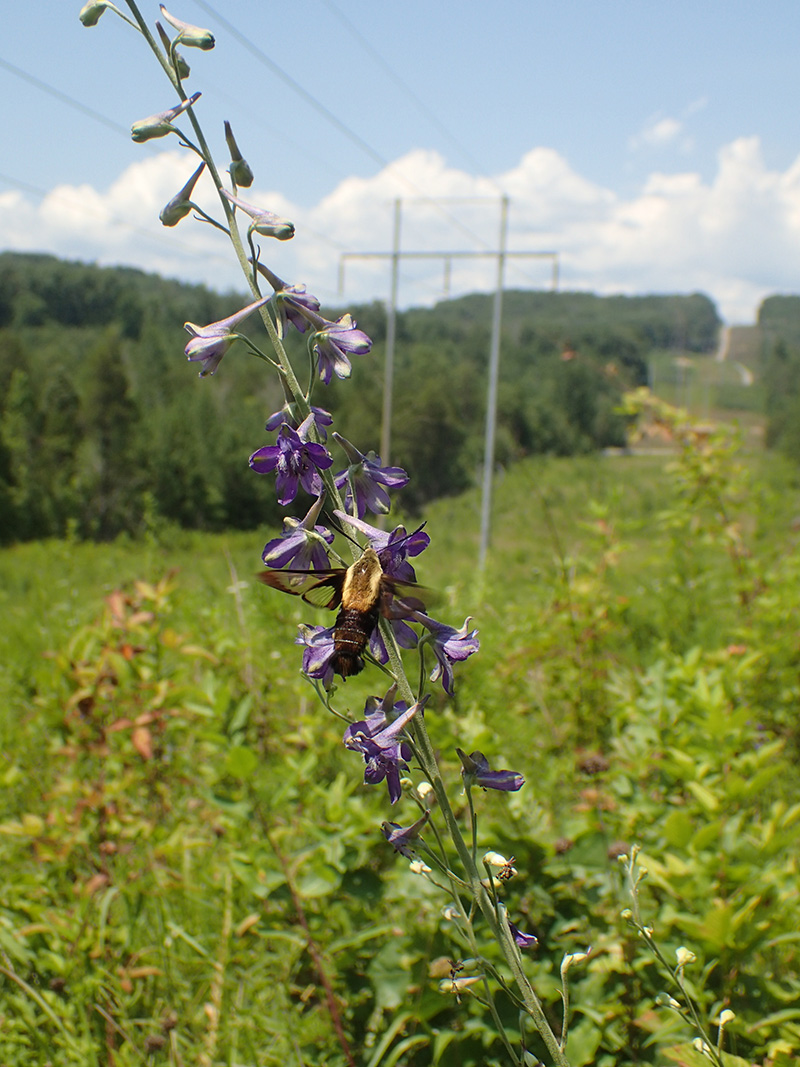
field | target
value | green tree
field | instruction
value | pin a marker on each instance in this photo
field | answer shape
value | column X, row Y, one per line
column 19, row 432
column 109, row 476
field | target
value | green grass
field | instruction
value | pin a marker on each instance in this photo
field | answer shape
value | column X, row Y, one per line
column 181, row 821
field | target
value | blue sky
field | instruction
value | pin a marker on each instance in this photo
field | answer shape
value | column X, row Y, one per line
column 656, row 147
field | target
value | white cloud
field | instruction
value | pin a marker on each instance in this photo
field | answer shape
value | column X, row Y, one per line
column 661, row 131
column 736, row 237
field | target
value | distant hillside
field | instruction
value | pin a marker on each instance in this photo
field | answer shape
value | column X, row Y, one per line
column 104, row 428
column 689, row 323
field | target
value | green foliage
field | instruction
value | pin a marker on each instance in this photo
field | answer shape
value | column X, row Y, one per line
column 779, row 320
column 102, row 428
column 198, row 875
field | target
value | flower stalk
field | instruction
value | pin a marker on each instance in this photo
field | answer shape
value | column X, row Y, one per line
column 385, row 615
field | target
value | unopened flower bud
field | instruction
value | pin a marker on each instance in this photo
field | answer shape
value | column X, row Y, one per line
column 570, row 958
column 494, row 859
column 726, row 1016
column 90, row 13
column 191, row 36
column 424, row 790
column 181, row 204
column 264, row 222
column 664, row 1000
column 241, row 174
column 458, row 985
column 161, row 124
column 179, row 63
column 418, row 867
column 239, row 170
column 684, row 956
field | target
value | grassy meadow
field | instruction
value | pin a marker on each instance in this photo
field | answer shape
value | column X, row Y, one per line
column 194, row 872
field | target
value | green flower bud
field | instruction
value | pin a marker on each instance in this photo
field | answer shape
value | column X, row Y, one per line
column 178, row 62
column 161, row 124
column 264, row 222
column 239, row 170
column 191, row 36
column 684, row 956
column 90, row 13
column 241, row 174
column 181, row 204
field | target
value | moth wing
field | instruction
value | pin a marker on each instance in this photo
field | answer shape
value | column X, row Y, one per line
column 400, row 599
column 323, row 589
column 328, row 592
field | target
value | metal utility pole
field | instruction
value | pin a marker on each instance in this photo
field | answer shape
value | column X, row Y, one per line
column 391, row 330
column 491, row 390
column 502, row 255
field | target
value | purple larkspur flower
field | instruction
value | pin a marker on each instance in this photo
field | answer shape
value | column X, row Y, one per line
column 404, row 635
column 210, row 343
column 318, row 649
column 522, row 939
column 288, row 414
column 376, row 737
column 475, row 768
column 400, row 838
column 161, row 124
column 266, row 223
column 449, row 646
column 334, row 342
column 296, row 461
column 393, row 547
column 302, row 543
column 365, row 479
column 292, row 303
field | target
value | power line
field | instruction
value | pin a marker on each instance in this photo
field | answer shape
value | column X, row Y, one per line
column 65, row 98
column 421, row 106
column 327, row 114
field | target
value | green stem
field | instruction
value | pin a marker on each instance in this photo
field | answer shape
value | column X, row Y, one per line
column 500, row 931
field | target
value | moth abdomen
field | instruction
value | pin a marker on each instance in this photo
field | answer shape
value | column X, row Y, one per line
column 351, row 631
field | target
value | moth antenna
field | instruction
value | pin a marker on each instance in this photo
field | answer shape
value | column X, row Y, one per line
column 339, row 529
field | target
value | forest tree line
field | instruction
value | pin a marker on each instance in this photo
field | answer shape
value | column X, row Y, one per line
column 105, row 428
column 779, row 321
